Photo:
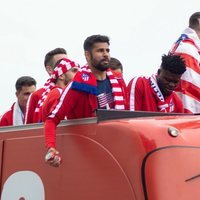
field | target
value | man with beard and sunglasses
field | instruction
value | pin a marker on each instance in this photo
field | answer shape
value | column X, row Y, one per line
column 93, row 87
column 156, row 93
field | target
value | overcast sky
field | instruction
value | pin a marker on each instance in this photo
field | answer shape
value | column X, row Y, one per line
column 140, row 32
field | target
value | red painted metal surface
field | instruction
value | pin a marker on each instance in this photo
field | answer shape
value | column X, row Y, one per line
column 129, row 159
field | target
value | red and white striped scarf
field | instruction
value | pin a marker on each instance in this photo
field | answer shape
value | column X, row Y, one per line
column 63, row 66
column 119, row 98
column 164, row 105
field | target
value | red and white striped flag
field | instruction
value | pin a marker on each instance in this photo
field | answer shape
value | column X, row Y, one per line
column 188, row 46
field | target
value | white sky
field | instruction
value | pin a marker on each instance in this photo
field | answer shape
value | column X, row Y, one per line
column 140, row 32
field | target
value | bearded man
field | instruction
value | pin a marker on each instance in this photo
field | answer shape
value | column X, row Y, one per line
column 94, row 86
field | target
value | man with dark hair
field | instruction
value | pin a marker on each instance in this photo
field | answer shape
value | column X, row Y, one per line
column 93, row 87
column 188, row 47
column 51, row 58
column 90, row 41
column 115, row 65
column 62, row 75
column 25, row 85
column 156, row 93
column 194, row 22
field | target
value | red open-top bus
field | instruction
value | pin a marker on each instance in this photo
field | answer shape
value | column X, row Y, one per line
column 118, row 155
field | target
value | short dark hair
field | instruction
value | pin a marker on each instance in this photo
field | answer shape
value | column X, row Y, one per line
column 194, row 21
column 115, row 64
column 24, row 81
column 173, row 63
column 91, row 40
column 50, row 54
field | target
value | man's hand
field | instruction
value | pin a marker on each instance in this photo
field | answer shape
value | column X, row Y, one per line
column 52, row 157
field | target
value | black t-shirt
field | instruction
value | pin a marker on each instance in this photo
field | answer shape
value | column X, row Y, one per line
column 105, row 96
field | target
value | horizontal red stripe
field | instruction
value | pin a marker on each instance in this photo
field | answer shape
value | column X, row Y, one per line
column 190, row 90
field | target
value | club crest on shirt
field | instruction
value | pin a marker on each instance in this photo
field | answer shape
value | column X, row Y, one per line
column 85, row 77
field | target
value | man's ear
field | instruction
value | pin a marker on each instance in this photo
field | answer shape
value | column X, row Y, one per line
column 159, row 71
column 61, row 77
column 49, row 69
column 87, row 55
column 16, row 93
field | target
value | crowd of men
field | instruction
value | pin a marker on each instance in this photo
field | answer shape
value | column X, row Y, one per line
column 74, row 91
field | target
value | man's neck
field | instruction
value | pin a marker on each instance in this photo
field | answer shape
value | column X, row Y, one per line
column 98, row 74
column 61, row 84
column 22, row 108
